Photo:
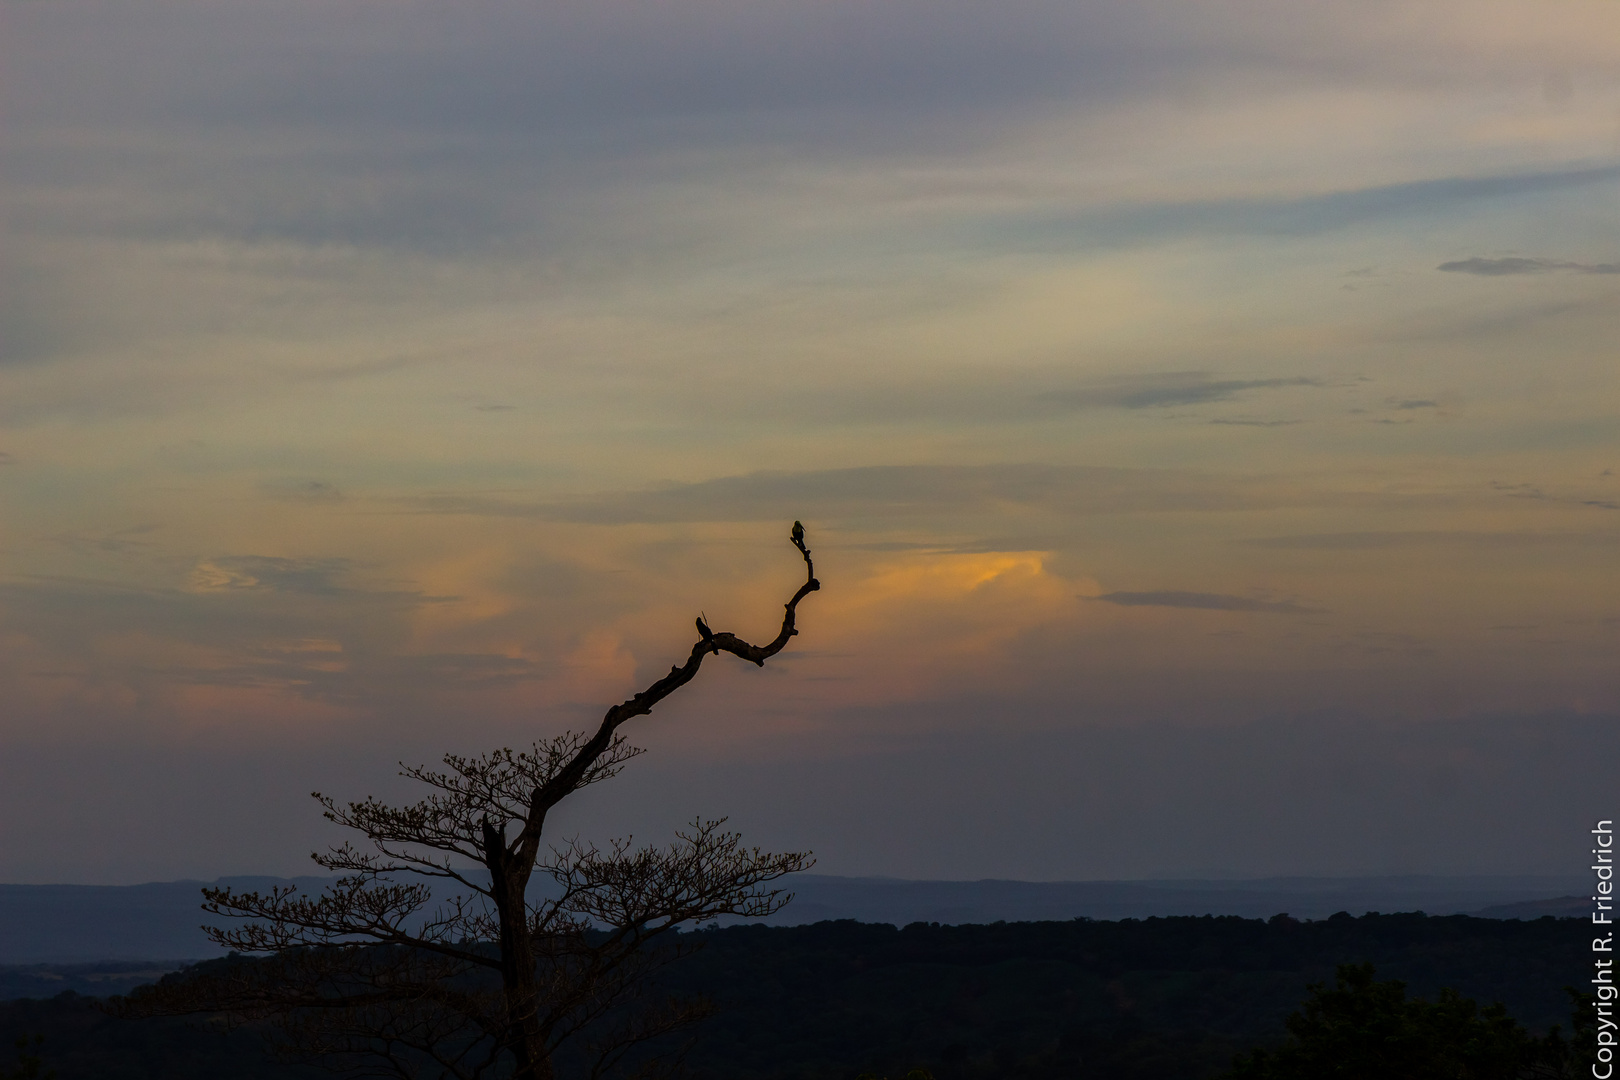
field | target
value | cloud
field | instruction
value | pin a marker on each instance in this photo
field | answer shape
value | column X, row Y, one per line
column 1366, row 541
column 325, row 671
column 313, row 577
column 1257, row 423
column 114, row 542
column 1416, row 403
column 1286, row 214
column 246, row 622
column 1535, row 492
column 895, row 491
column 691, row 56
column 1167, row 389
column 70, row 618
column 528, row 102
column 1507, row 266
column 310, row 491
column 1203, row 602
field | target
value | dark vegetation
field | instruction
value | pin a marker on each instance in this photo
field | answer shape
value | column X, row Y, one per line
column 29, row 1063
column 1176, row 997
column 1361, row 1027
column 1154, row 998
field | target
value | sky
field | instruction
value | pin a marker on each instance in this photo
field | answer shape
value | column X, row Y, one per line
column 1204, row 413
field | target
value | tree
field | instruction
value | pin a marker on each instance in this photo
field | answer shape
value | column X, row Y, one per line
column 378, row 972
column 28, row 1061
column 1366, row 1030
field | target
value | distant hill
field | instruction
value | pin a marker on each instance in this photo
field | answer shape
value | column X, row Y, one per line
column 96, row 980
column 889, row 900
column 84, row 923
column 1562, row 907
column 66, row 924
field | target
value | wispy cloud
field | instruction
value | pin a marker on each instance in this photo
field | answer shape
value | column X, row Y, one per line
column 1514, row 265
column 333, row 578
column 328, row 578
column 1204, row 602
column 1294, row 215
column 1365, row 541
column 244, row 621
column 307, row 491
column 322, row 670
column 114, row 542
column 1537, row 493
column 898, row 491
column 1169, row 388
column 310, row 576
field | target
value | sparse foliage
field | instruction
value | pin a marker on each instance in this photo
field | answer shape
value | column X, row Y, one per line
column 435, row 956
column 29, row 1063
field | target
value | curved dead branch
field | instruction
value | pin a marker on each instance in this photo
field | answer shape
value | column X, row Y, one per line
column 565, row 780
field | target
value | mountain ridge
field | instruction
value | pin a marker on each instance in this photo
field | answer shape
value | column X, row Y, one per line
column 162, row 920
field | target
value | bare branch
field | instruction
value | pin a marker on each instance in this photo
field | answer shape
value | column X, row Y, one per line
column 706, row 873
column 566, row 780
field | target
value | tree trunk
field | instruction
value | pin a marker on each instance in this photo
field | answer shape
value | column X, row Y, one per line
column 509, row 881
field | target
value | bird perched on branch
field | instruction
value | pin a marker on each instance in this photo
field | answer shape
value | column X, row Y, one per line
column 798, row 535
column 706, row 634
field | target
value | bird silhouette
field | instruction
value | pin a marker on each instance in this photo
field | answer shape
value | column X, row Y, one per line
column 798, row 534
column 706, row 634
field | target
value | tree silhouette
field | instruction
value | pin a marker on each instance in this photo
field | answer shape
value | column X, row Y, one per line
column 1366, row 1030
column 381, row 974
column 29, row 1062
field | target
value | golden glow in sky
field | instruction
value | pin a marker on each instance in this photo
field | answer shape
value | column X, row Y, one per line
column 379, row 371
